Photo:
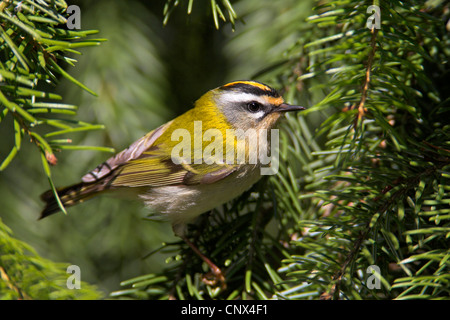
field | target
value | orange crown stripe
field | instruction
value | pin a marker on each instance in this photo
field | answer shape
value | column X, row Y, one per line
column 274, row 101
column 250, row 83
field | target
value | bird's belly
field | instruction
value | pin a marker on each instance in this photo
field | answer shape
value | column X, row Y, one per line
column 182, row 204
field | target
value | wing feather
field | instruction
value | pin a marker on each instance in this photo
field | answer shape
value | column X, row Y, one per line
column 143, row 164
column 132, row 152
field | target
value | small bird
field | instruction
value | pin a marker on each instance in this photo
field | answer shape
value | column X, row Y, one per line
column 193, row 163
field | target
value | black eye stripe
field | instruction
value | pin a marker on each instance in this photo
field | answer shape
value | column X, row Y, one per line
column 247, row 88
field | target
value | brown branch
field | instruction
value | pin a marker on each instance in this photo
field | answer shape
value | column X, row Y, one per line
column 4, row 4
column 333, row 294
column 49, row 156
column 365, row 88
column 435, row 147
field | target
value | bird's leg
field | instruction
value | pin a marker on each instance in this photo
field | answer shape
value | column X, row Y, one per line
column 214, row 269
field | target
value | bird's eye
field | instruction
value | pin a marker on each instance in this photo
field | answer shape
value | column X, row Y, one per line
column 254, row 106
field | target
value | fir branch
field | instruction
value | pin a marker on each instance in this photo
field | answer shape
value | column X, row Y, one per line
column 386, row 176
column 409, row 184
column 333, row 293
column 26, row 275
column 40, row 64
column 365, row 88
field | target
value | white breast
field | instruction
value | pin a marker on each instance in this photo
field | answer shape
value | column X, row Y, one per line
column 182, row 204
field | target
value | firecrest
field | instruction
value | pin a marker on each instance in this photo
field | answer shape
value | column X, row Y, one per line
column 194, row 163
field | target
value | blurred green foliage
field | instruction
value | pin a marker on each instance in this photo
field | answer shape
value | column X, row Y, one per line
column 356, row 188
column 25, row 275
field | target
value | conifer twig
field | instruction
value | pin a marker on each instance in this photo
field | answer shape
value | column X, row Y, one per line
column 365, row 88
column 4, row 4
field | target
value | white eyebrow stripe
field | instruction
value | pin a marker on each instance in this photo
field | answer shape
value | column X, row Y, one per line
column 241, row 97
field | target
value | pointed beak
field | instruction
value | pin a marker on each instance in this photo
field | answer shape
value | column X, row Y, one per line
column 284, row 107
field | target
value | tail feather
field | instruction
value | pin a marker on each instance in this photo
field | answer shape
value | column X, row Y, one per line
column 69, row 196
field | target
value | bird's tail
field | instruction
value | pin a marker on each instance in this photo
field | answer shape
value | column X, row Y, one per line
column 69, row 196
